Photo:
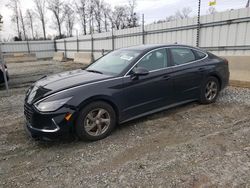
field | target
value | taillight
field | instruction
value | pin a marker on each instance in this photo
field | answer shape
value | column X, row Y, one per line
column 226, row 61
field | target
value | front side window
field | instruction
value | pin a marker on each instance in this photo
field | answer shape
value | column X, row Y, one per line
column 182, row 55
column 114, row 62
column 154, row 60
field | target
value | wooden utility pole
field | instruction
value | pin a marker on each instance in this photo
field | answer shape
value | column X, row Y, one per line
column 92, row 39
column 198, row 24
column 143, row 29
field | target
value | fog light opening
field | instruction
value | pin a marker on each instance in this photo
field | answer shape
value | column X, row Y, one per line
column 68, row 116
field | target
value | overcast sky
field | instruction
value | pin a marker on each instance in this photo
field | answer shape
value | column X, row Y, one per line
column 153, row 10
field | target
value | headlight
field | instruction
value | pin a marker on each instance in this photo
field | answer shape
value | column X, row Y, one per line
column 50, row 106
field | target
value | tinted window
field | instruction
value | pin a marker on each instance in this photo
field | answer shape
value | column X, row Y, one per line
column 154, row 60
column 199, row 54
column 182, row 55
column 114, row 62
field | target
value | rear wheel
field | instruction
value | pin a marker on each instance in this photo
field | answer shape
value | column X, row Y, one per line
column 210, row 90
column 95, row 121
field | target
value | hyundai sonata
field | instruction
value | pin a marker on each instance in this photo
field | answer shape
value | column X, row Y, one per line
column 123, row 85
column 2, row 73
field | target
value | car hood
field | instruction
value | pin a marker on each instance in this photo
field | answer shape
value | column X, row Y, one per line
column 58, row 82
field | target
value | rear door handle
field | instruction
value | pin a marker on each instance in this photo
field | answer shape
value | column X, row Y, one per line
column 202, row 69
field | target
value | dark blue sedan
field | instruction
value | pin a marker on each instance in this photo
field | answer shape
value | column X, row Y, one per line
column 123, row 85
column 2, row 73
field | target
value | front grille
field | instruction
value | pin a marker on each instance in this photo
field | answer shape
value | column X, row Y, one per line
column 28, row 112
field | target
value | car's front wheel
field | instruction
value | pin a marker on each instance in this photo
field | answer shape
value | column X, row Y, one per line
column 210, row 90
column 95, row 121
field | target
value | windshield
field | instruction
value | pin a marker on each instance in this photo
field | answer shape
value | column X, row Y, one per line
column 114, row 62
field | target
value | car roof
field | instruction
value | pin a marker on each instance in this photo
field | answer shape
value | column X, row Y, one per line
column 148, row 47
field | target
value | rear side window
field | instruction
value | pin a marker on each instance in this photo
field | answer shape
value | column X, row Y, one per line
column 199, row 55
column 182, row 55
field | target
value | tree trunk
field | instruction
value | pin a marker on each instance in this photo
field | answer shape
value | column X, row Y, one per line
column 84, row 26
column 32, row 29
column 22, row 23
column 60, row 31
column 44, row 32
column 99, row 26
column 18, row 28
column 105, row 23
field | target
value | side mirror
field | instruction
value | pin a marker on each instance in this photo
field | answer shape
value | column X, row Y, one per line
column 139, row 71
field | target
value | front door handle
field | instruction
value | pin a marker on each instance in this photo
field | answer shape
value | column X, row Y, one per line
column 202, row 69
column 166, row 77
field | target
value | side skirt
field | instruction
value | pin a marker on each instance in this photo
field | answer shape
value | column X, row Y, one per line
column 158, row 110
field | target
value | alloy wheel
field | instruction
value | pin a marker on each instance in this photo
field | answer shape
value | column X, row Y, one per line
column 97, row 122
column 211, row 90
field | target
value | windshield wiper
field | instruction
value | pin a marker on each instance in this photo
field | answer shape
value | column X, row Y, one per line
column 95, row 71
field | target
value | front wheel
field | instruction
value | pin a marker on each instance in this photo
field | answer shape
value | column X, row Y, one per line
column 95, row 121
column 210, row 90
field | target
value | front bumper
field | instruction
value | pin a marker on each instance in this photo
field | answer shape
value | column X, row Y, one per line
column 47, row 126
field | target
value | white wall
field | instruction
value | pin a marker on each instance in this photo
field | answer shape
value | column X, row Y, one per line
column 225, row 33
column 42, row 49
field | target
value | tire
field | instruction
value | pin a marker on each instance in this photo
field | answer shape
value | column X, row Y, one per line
column 95, row 121
column 210, row 90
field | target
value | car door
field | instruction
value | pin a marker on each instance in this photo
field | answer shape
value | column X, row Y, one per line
column 151, row 91
column 187, row 73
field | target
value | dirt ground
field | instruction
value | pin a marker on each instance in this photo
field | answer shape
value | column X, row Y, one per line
column 189, row 146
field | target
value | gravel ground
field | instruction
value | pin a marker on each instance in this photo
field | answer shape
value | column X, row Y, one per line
column 189, row 146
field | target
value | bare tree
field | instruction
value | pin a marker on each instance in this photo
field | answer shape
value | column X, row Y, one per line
column 1, row 22
column 40, row 10
column 248, row 3
column 211, row 10
column 56, row 7
column 81, row 10
column 107, row 12
column 90, row 14
column 170, row 18
column 119, row 17
column 85, row 11
column 133, row 18
column 22, row 24
column 184, row 13
column 14, row 6
column 30, row 21
column 98, row 9
column 69, row 19
column 124, row 16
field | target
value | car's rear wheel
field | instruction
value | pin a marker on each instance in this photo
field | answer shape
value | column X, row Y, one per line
column 96, row 121
column 210, row 90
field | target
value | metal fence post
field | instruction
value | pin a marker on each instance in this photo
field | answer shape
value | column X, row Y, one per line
column 143, row 30
column 77, row 44
column 55, row 48
column 28, row 47
column 65, row 48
